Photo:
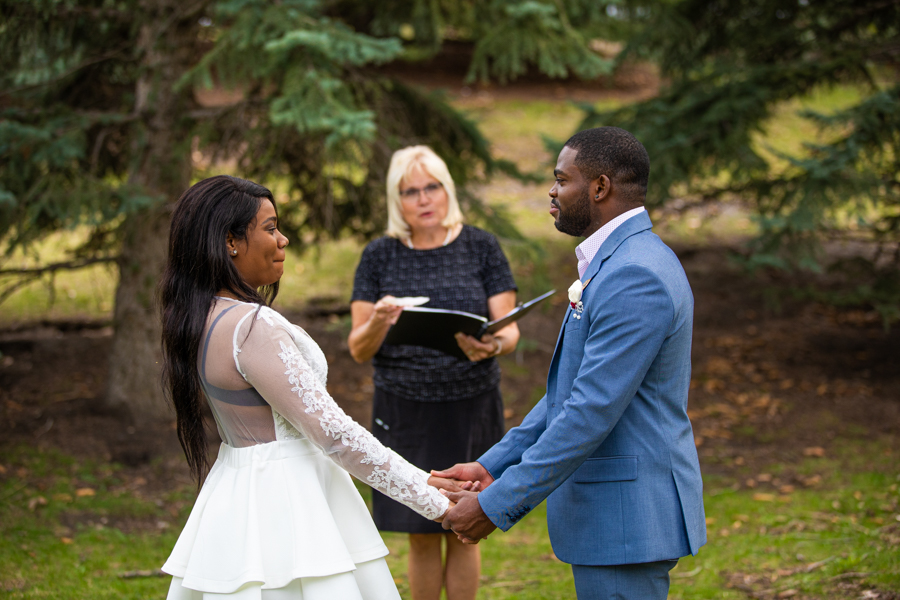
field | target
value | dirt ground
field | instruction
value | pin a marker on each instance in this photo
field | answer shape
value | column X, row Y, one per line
column 769, row 383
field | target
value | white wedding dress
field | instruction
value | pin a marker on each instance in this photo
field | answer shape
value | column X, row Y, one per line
column 278, row 516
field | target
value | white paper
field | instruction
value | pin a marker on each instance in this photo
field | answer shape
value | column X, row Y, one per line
column 408, row 301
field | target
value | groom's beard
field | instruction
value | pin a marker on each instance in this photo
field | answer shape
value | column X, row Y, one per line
column 577, row 218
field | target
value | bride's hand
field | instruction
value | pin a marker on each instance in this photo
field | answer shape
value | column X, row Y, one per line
column 452, row 485
column 440, row 519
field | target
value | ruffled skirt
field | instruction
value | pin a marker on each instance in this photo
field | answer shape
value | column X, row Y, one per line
column 278, row 517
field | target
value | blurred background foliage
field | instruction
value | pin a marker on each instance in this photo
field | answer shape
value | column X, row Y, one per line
column 107, row 106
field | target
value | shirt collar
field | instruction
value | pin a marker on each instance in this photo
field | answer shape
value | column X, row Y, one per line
column 587, row 250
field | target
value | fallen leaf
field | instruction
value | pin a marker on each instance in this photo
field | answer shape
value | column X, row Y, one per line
column 786, row 489
column 764, row 497
column 2, row 470
column 712, row 385
column 698, row 441
column 62, row 497
column 787, row 593
column 35, row 502
column 82, row 492
column 764, row 477
column 812, row 481
column 718, row 366
column 750, row 483
column 66, row 540
column 508, row 413
column 817, row 451
column 710, row 520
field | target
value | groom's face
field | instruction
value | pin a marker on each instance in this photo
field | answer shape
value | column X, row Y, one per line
column 570, row 197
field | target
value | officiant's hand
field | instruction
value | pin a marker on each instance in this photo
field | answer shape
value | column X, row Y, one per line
column 471, row 471
column 475, row 349
column 467, row 520
column 386, row 311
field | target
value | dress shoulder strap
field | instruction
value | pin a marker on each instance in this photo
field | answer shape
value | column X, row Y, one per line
column 206, row 342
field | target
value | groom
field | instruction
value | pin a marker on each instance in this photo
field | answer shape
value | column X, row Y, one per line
column 610, row 445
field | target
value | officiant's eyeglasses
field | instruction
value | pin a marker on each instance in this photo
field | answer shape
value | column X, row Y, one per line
column 413, row 193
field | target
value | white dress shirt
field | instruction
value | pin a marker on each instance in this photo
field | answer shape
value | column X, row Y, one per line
column 587, row 249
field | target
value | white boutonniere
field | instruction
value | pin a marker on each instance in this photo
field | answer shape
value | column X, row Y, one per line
column 575, row 297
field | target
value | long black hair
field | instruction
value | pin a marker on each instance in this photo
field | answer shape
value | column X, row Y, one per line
column 198, row 267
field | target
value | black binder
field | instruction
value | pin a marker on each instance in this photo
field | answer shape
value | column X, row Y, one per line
column 436, row 327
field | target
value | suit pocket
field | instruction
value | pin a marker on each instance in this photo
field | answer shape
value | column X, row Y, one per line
column 573, row 324
column 613, row 468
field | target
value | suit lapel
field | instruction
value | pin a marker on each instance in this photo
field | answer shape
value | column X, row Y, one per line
column 635, row 224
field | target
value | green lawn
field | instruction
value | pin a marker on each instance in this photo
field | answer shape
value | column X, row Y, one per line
column 59, row 543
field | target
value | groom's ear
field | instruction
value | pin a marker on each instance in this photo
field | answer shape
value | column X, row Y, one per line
column 601, row 188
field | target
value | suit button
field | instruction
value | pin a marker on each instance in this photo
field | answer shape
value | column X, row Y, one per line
column 554, row 404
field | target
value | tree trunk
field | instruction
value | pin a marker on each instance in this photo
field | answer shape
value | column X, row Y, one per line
column 134, row 385
column 167, row 46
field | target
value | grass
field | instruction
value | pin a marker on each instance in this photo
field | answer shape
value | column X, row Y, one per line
column 806, row 542
column 61, row 526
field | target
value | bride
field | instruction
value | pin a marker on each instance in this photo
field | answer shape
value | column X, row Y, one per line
column 278, row 516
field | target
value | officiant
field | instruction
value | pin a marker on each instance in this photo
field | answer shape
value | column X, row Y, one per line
column 433, row 408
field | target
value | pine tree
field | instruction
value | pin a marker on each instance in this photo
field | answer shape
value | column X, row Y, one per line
column 728, row 64
column 100, row 123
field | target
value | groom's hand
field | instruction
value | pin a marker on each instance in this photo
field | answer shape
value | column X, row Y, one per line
column 467, row 520
column 472, row 471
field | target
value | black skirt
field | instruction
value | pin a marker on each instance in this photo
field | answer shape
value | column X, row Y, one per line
column 431, row 435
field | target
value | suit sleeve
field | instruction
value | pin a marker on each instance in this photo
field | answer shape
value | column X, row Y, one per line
column 627, row 328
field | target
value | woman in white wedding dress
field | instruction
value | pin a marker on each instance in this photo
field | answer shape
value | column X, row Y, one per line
column 278, row 516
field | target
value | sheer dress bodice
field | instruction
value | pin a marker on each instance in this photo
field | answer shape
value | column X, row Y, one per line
column 265, row 381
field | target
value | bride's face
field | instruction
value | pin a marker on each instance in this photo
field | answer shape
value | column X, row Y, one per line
column 260, row 258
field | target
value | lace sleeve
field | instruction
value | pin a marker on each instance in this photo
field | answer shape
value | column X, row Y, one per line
column 272, row 363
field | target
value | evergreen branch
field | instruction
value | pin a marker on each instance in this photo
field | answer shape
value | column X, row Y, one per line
column 93, row 61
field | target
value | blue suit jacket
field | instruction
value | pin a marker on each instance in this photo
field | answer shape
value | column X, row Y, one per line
column 611, row 444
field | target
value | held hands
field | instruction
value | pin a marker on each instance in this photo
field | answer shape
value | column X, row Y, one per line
column 462, row 477
column 472, row 472
column 386, row 312
column 477, row 350
column 465, row 517
column 453, row 485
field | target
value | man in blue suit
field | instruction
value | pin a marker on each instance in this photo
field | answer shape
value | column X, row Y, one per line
column 610, row 445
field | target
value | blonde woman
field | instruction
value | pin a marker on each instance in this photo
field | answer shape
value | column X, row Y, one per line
column 432, row 408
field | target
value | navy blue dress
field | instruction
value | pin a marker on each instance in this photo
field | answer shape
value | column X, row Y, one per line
column 434, row 409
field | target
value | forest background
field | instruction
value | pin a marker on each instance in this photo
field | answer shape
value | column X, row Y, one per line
column 773, row 130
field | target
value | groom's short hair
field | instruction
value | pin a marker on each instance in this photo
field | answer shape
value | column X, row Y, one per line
column 613, row 152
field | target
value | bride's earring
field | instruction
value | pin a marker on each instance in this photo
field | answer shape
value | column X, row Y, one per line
column 234, row 252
